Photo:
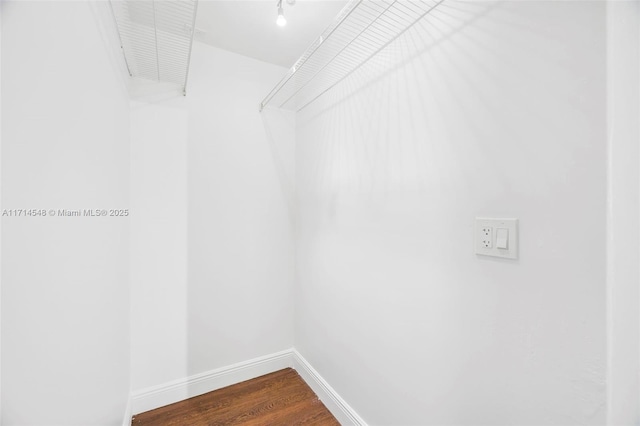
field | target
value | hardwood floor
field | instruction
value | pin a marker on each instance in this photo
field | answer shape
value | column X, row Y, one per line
column 280, row 398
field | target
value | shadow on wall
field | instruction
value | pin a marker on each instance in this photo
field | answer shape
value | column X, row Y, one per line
column 396, row 98
column 481, row 108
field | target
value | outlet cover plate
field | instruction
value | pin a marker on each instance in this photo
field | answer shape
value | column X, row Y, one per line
column 485, row 237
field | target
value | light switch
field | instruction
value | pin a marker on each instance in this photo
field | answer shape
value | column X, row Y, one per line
column 496, row 237
column 502, row 238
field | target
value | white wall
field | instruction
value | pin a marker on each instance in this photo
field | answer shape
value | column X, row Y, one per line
column 484, row 109
column 158, row 243
column 212, row 241
column 623, row 89
column 0, row 207
column 65, row 283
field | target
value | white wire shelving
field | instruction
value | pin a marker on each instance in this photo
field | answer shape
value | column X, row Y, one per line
column 361, row 30
column 156, row 37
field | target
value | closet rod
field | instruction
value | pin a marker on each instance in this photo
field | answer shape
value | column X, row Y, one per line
column 344, row 14
column 361, row 30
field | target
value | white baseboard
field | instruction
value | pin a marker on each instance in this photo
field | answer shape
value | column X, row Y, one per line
column 179, row 390
column 198, row 384
column 334, row 402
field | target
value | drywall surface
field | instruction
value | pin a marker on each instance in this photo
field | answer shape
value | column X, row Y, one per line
column 494, row 109
column 65, row 280
column 623, row 45
column 240, row 224
column 0, row 207
column 158, row 242
column 212, row 231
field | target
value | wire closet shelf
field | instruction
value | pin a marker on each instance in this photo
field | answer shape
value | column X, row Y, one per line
column 156, row 37
column 361, row 30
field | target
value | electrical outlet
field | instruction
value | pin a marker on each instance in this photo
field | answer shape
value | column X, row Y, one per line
column 485, row 239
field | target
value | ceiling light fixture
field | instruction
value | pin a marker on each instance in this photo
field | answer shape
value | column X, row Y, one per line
column 281, row 21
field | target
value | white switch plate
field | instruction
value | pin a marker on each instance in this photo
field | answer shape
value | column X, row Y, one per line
column 485, row 239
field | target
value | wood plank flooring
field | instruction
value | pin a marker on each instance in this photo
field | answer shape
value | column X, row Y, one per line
column 280, row 398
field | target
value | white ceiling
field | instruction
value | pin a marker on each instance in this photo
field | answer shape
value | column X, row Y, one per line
column 249, row 27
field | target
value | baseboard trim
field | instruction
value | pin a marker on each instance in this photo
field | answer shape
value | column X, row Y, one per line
column 158, row 396
column 334, row 402
column 178, row 390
